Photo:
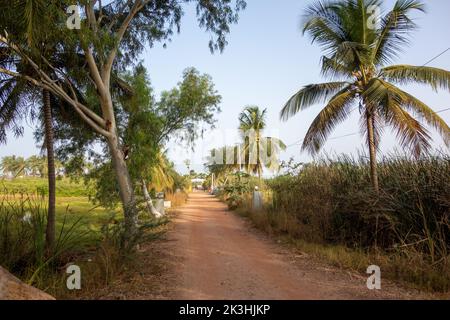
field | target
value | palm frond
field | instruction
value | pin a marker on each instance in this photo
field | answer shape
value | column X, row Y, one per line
column 405, row 74
column 425, row 113
column 309, row 95
column 15, row 99
column 252, row 118
column 322, row 23
column 335, row 112
column 392, row 102
column 332, row 68
column 394, row 32
column 410, row 133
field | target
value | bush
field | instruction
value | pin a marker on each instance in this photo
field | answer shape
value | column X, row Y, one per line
column 100, row 253
column 332, row 202
column 23, row 252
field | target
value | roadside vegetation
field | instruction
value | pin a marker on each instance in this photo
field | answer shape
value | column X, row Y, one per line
column 87, row 235
column 329, row 209
column 96, row 116
column 90, row 200
column 388, row 210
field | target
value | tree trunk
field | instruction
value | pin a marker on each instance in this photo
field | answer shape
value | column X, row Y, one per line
column 150, row 207
column 125, row 187
column 50, row 231
column 372, row 151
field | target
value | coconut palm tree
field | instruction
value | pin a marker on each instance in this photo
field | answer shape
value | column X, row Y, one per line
column 257, row 151
column 12, row 165
column 34, row 166
column 161, row 179
column 356, row 56
column 17, row 96
column 223, row 161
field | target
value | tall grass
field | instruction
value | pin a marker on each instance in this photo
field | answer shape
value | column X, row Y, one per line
column 177, row 198
column 96, row 245
column 331, row 202
column 23, row 220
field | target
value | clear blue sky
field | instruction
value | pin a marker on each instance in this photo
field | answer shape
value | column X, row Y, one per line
column 266, row 61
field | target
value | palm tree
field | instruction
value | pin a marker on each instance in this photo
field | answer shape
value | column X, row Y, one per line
column 34, row 165
column 355, row 57
column 161, row 179
column 12, row 165
column 17, row 95
column 223, row 161
column 252, row 122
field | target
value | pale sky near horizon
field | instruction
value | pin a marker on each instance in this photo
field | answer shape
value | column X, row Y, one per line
column 266, row 61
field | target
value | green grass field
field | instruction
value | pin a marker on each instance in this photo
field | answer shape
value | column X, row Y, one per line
column 64, row 187
column 73, row 206
column 90, row 217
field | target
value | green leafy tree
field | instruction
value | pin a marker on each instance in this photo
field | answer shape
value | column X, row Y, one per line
column 183, row 108
column 145, row 125
column 356, row 56
column 178, row 114
column 112, row 37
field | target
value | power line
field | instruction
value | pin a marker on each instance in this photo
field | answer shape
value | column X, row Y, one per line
column 440, row 54
column 350, row 134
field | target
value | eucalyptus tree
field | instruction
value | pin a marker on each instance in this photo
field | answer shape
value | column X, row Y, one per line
column 356, row 54
column 145, row 125
column 111, row 38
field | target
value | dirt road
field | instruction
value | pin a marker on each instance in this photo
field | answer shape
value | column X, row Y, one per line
column 213, row 254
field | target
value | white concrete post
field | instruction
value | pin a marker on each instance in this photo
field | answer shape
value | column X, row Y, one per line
column 257, row 200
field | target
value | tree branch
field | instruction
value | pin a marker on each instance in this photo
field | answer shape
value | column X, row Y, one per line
column 106, row 72
column 95, row 72
column 47, row 83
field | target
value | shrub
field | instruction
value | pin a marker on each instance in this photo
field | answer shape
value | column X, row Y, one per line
column 332, row 202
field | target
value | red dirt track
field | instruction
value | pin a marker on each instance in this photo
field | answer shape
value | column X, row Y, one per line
column 215, row 255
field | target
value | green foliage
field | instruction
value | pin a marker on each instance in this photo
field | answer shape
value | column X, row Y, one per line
column 139, row 125
column 22, row 238
column 192, row 102
column 12, row 165
column 236, row 188
column 145, row 124
column 64, row 187
column 89, row 236
column 357, row 55
column 253, row 154
column 104, row 185
column 332, row 202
